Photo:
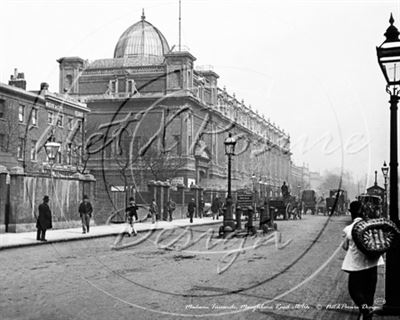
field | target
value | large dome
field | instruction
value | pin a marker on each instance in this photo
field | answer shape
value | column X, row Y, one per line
column 142, row 41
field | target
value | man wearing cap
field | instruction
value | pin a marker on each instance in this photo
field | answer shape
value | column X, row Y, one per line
column 85, row 212
column 131, row 215
column 44, row 219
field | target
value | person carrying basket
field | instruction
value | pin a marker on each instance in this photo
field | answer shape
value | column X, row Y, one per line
column 362, row 269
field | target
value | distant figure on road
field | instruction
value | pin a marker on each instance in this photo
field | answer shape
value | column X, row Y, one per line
column 153, row 210
column 284, row 190
column 362, row 269
column 44, row 220
column 191, row 207
column 216, row 208
column 171, row 205
column 85, row 212
column 201, row 207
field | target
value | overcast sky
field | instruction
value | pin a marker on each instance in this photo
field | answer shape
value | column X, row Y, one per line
column 310, row 66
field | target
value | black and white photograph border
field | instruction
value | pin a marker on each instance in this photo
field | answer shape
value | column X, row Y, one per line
column 174, row 159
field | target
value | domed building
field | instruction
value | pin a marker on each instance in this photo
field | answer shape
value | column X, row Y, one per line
column 155, row 116
column 142, row 42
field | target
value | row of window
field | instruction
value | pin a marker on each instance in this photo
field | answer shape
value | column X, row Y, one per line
column 59, row 120
column 21, row 115
column 52, row 118
column 121, row 86
column 33, row 152
column 122, row 147
column 2, row 108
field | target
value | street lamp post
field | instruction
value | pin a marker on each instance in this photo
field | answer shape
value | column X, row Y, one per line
column 253, row 179
column 389, row 61
column 229, row 223
column 51, row 147
column 385, row 172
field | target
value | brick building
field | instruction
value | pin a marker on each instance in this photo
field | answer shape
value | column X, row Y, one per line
column 156, row 116
column 29, row 118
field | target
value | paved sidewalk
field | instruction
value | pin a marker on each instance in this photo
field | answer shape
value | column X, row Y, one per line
column 15, row 240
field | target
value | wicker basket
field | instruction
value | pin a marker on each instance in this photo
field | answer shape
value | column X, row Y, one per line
column 375, row 236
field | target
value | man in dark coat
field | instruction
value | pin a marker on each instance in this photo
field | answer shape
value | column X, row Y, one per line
column 216, row 207
column 85, row 212
column 191, row 207
column 201, row 208
column 284, row 190
column 44, row 219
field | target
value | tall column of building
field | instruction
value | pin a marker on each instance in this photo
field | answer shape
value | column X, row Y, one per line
column 279, row 162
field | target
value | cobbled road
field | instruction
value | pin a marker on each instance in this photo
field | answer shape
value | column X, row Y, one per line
column 183, row 273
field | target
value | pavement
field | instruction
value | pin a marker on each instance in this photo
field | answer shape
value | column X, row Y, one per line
column 23, row 239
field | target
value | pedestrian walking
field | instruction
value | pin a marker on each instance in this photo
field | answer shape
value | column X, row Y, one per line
column 361, row 268
column 216, row 208
column 191, row 207
column 153, row 210
column 171, row 206
column 131, row 215
column 201, row 208
column 85, row 212
column 44, row 220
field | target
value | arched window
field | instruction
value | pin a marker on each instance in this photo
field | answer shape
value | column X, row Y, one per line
column 68, row 81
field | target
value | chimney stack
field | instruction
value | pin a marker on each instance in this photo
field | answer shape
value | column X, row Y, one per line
column 17, row 80
column 44, row 86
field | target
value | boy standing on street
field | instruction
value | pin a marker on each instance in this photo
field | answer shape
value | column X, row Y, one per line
column 132, row 216
column 85, row 212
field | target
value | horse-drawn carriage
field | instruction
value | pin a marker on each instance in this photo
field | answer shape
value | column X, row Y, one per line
column 321, row 205
column 285, row 207
column 309, row 201
column 337, row 203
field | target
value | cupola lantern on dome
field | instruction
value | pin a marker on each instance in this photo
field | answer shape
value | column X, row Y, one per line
column 143, row 16
column 142, row 41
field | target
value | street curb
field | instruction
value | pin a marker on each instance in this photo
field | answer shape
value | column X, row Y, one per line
column 89, row 237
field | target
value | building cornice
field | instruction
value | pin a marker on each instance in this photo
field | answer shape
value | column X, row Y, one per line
column 34, row 97
column 65, row 100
